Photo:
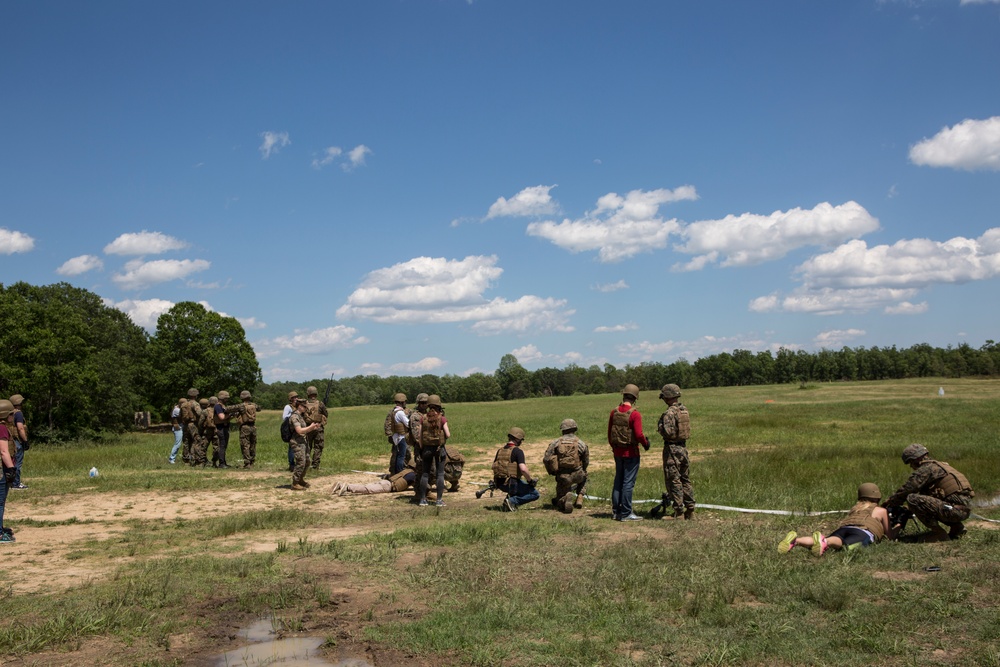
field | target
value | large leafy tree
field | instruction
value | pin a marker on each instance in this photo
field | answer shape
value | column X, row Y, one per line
column 195, row 347
column 82, row 365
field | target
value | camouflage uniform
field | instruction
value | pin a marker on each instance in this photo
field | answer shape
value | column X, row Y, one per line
column 298, row 446
column 190, row 418
column 936, row 492
column 315, row 412
column 208, row 436
column 247, row 418
column 568, row 479
column 676, row 463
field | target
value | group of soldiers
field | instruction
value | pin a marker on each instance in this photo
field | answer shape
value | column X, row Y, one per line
column 202, row 423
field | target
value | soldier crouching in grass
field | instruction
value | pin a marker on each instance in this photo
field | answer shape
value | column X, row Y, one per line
column 935, row 492
column 866, row 523
column 508, row 468
column 568, row 458
column 300, row 431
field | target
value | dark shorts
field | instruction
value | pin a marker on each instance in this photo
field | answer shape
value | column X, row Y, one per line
column 852, row 536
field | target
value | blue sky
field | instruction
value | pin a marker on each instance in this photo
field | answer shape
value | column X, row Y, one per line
column 425, row 186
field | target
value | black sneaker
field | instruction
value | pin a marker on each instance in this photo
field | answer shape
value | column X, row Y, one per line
column 19, row 486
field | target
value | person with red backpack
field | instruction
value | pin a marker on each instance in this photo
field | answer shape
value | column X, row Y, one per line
column 625, row 435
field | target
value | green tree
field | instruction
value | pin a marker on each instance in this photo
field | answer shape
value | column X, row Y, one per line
column 513, row 378
column 194, row 347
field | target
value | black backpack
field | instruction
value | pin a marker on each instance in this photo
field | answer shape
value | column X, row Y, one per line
column 286, row 430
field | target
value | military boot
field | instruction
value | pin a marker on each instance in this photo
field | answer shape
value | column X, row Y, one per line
column 688, row 513
column 935, row 534
column 957, row 530
column 678, row 513
column 578, row 503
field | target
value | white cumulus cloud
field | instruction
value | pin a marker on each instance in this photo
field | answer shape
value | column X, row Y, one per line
column 12, row 241
column 969, row 145
column 619, row 227
column 144, row 312
column 425, row 365
column 330, row 154
column 81, row 264
column 628, row 326
column 907, row 308
column 356, row 157
column 272, row 142
column 317, row 341
column 143, row 243
column 693, row 349
column 749, row 239
column 251, row 323
column 531, row 201
column 837, row 337
column 139, row 274
column 612, row 287
column 438, row 290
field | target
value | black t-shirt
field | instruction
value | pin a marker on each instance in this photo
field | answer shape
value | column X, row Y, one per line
column 517, row 456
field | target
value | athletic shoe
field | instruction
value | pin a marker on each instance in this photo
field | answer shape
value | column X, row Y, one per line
column 819, row 544
column 336, row 489
column 422, row 503
column 786, row 545
column 439, row 503
column 7, row 537
column 508, row 506
column 632, row 517
column 19, row 486
column 171, row 461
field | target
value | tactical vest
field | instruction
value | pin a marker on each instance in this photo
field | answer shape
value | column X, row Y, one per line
column 314, row 412
column 187, row 414
column 621, row 434
column 860, row 516
column 416, row 422
column 568, row 454
column 391, row 425
column 675, row 425
column 953, row 482
column 206, row 420
column 432, row 430
column 504, row 466
column 249, row 414
column 398, row 480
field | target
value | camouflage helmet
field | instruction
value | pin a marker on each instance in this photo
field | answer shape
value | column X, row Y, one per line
column 914, row 452
column 203, row 402
column 6, row 408
column 292, row 395
column 223, row 395
column 399, row 398
column 213, row 400
column 670, row 391
column 434, row 400
column 17, row 399
column 567, row 425
column 422, row 398
column 515, row 434
column 869, row 490
column 182, row 400
column 192, row 393
column 631, row 390
column 244, row 395
column 312, row 391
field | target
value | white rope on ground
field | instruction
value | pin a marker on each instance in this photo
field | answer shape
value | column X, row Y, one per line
column 368, row 472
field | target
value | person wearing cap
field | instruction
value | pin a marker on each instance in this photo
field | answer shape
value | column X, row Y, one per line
column 286, row 414
column 508, row 469
column 316, row 413
column 247, row 418
column 301, row 428
column 675, row 427
column 190, row 419
column 625, row 435
column 568, row 458
column 866, row 523
column 936, row 493
column 397, row 423
column 177, row 428
column 7, row 461
column 434, row 433
column 20, row 435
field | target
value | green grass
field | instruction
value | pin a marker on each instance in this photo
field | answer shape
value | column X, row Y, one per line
column 469, row 585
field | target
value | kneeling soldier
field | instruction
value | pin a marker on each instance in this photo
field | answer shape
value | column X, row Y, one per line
column 568, row 458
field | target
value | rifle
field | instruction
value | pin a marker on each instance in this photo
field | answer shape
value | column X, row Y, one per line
column 491, row 487
column 660, row 508
column 899, row 516
column 326, row 396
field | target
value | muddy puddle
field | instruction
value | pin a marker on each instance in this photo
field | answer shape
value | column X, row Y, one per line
column 263, row 648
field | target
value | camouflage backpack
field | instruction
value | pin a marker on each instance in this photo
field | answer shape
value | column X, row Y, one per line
column 187, row 414
column 567, row 454
column 454, row 462
column 432, row 429
column 621, row 434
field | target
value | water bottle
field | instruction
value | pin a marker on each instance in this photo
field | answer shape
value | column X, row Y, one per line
column 93, row 472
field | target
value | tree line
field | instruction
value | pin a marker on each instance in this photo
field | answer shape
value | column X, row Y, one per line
column 85, row 368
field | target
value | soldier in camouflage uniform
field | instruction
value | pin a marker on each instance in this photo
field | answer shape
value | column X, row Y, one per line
column 190, row 415
column 675, row 426
column 208, row 436
column 222, row 414
column 316, row 413
column 247, row 418
column 935, row 492
column 300, row 432
column 568, row 458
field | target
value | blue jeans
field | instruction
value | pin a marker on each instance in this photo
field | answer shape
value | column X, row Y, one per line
column 519, row 493
column 18, row 460
column 626, row 470
column 399, row 462
column 178, row 436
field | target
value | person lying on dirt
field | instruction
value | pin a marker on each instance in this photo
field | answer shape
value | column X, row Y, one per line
column 866, row 523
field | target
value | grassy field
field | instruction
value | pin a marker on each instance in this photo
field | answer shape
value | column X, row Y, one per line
column 467, row 584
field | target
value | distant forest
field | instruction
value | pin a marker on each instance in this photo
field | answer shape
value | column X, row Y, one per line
column 741, row 367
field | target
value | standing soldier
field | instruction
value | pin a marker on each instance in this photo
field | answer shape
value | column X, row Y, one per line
column 208, row 435
column 190, row 416
column 316, row 413
column 177, row 428
column 568, row 458
column 20, row 436
column 221, row 416
column 434, row 432
column 675, row 427
column 248, row 429
column 397, row 424
column 300, row 432
column 934, row 492
column 625, row 435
